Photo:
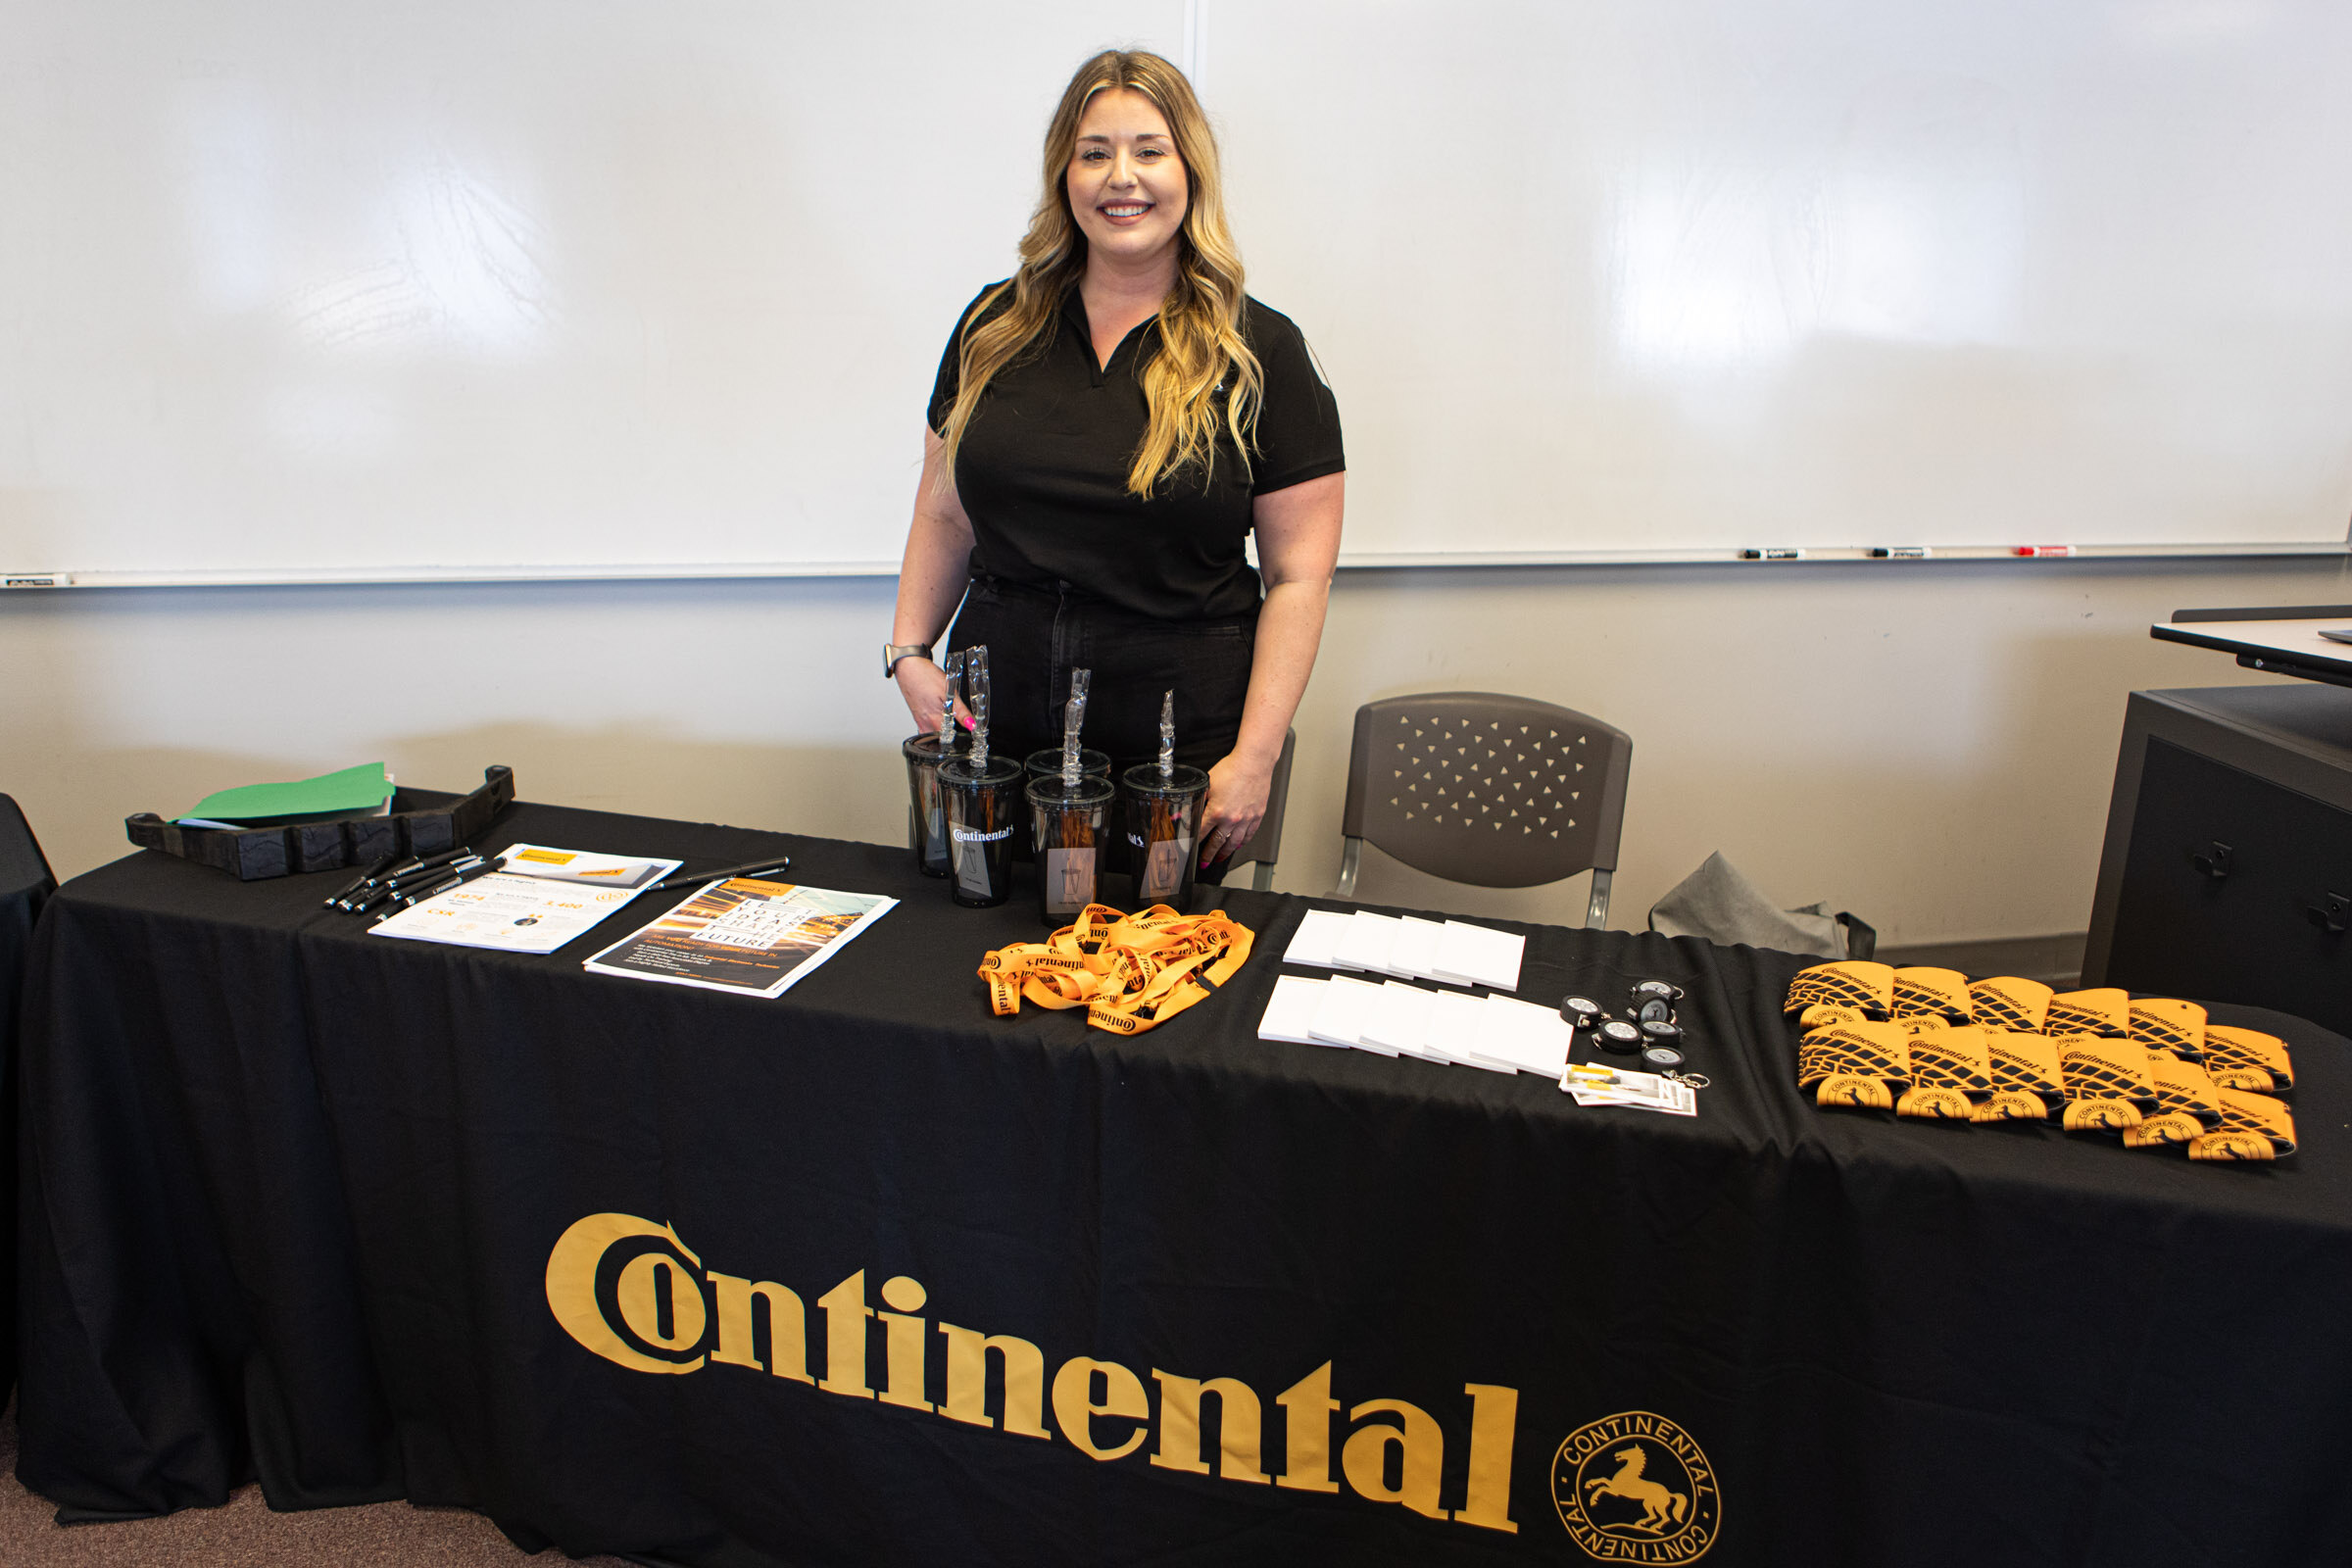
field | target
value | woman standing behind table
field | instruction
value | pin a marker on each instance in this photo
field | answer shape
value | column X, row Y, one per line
column 1109, row 425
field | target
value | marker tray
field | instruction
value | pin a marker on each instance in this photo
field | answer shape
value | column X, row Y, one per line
column 420, row 822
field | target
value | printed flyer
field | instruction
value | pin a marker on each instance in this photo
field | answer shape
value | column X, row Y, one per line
column 746, row 935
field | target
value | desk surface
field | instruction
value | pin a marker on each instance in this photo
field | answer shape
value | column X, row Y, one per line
column 2295, row 642
column 298, row 1194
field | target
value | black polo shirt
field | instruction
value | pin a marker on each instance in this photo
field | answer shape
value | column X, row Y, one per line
column 1043, row 470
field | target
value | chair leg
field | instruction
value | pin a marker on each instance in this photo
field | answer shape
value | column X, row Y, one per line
column 1351, row 860
column 1261, row 876
column 1596, row 914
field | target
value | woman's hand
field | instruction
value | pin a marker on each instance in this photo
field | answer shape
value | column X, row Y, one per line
column 931, row 579
column 1237, row 803
column 1298, row 543
column 923, row 684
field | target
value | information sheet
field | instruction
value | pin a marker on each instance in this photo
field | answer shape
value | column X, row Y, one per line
column 746, row 935
column 543, row 899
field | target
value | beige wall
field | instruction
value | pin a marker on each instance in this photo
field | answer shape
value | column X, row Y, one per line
column 1928, row 745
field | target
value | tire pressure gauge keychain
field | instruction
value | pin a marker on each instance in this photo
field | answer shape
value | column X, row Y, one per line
column 1618, row 1037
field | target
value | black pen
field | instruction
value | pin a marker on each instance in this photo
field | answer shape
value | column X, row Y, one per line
column 431, row 862
column 408, row 870
column 433, row 873
column 352, row 899
column 394, row 888
column 408, row 901
column 368, row 900
column 366, row 877
column 774, row 862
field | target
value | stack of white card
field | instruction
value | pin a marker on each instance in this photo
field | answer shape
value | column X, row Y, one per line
column 1454, row 951
column 1643, row 1091
column 1396, row 1019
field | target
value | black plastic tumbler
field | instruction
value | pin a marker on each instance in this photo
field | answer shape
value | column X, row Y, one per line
column 1046, row 762
column 983, row 810
column 1071, row 822
column 1164, row 829
column 926, row 814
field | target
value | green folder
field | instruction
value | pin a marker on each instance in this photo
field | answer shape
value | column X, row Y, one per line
column 352, row 791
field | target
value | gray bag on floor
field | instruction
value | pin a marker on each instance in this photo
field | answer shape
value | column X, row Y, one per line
column 1717, row 902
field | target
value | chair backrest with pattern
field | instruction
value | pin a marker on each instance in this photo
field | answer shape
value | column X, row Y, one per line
column 1496, row 791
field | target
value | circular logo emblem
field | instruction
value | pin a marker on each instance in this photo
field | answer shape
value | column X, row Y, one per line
column 1633, row 1488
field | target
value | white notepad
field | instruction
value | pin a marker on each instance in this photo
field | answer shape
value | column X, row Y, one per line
column 1456, row 952
column 1456, row 1022
column 1291, row 1009
column 1413, row 953
column 1529, row 1038
column 1478, row 956
column 1401, row 1022
column 1365, row 944
column 1342, row 1013
column 1316, row 943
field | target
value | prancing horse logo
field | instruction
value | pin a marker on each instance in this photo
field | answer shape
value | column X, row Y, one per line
column 1635, row 1487
column 1659, row 1506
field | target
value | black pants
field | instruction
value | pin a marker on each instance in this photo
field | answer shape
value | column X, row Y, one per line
column 1036, row 636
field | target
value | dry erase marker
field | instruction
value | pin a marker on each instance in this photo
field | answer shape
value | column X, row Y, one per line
column 1900, row 551
column 1773, row 553
column 2043, row 550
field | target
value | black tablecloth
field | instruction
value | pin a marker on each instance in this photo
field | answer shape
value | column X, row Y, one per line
column 25, row 885
column 295, row 1195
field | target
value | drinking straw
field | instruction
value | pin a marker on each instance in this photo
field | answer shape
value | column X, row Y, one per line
column 975, row 698
column 1168, row 735
column 947, row 704
column 1072, row 716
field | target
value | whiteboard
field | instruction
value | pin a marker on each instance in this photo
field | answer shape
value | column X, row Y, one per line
column 324, row 287
column 1669, row 276
column 293, row 290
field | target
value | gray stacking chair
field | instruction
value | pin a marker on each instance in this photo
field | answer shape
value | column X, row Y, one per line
column 1496, row 791
column 1265, row 844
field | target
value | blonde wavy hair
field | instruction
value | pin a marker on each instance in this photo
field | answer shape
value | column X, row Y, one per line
column 1200, row 320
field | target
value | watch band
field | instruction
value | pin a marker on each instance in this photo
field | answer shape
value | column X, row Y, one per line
column 892, row 652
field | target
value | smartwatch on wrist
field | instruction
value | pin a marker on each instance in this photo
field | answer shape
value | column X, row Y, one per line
column 892, row 652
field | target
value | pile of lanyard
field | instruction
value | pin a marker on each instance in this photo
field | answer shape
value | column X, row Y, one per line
column 1129, row 972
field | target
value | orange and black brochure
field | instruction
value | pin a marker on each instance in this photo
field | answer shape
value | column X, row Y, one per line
column 746, row 935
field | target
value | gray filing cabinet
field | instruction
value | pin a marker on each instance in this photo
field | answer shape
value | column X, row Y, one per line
column 2226, row 875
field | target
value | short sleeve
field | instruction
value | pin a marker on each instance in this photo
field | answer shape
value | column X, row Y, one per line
column 1299, row 422
column 949, row 379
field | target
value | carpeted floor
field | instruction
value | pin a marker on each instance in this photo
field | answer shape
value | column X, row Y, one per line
column 245, row 1534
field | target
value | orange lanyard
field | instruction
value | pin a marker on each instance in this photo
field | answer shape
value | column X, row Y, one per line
column 1129, row 972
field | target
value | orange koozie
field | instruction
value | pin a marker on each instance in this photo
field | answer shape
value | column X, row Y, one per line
column 1850, row 982
column 2164, row 1024
column 2006, row 1002
column 2104, row 1012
